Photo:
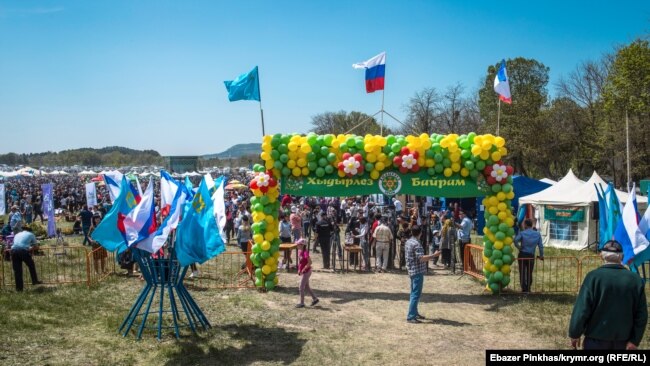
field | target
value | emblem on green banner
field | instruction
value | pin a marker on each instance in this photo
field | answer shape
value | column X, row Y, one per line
column 390, row 183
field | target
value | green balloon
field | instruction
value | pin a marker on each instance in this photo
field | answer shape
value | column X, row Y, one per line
column 331, row 157
column 324, row 151
column 473, row 173
column 446, row 162
column 507, row 250
column 496, row 188
column 436, row 147
column 498, row 276
column 395, row 148
column 496, row 254
column 507, row 259
column 275, row 242
column 269, row 285
column 329, row 169
column 283, row 149
column 439, row 168
column 275, row 154
column 429, row 154
column 495, row 288
column 488, row 245
column 470, row 137
column 258, row 273
column 286, row 138
column 344, row 148
column 311, row 138
column 263, row 225
column 284, row 158
column 255, row 259
column 390, row 139
column 320, row 172
column 265, row 254
column 270, row 276
column 486, row 272
column 498, row 263
column 480, row 165
column 505, row 281
column 311, row 156
column 278, row 164
column 464, row 143
column 268, row 210
column 487, row 252
column 264, row 200
column 431, row 171
column 369, row 167
column 359, row 144
column 493, row 220
column 511, row 232
column 500, row 236
column 401, row 140
column 328, row 139
column 322, row 162
column 312, row 165
column 275, row 141
column 286, row 171
column 469, row 165
column 256, row 248
column 504, row 227
column 506, row 188
column 258, row 282
column 351, row 142
column 493, row 228
column 258, row 207
column 437, row 157
column 316, row 147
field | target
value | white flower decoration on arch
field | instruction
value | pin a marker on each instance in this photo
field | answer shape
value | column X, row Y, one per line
column 262, row 180
column 351, row 166
column 408, row 161
column 499, row 172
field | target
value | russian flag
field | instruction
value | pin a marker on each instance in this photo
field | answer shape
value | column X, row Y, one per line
column 375, row 70
column 628, row 233
column 168, row 188
column 501, row 84
column 155, row 241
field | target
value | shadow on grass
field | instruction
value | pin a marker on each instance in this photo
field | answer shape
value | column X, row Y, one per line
column 260, row 344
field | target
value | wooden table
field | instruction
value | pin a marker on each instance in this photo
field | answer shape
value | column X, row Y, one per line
column 287, row 248
column 352, row 249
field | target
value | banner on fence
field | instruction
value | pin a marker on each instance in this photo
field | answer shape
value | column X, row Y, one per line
column 3, row 210
column 48, row 209
column 564, row 213
column 91, row 194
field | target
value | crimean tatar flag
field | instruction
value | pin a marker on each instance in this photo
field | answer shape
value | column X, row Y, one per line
column 502, row 84
column 244, row 87
column 375, row 70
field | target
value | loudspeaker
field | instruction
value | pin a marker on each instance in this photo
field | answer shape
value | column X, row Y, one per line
column 595, row 212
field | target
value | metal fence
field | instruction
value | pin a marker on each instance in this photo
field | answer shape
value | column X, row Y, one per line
column 554, row 274
column 227, row 270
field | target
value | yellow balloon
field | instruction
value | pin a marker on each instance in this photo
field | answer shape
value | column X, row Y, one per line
column 371, row 158
column 267, row 138
column 486, row 145
column 266, row 245
column 305, row 148
column 426, row 144
column 453, row 147
column 510, row 195
column 496, row 156
column 276, row 255
column 502, row 215
column 301, row 162
column 305, row 171
column 292, row 146
column 464, row 172
column 268, row 164
column 454, row 157
column 476, row 150
column 269, row 219
column 429, row 163
column 296, row 171
column 493, row 210
column 493, row 201
column 455, row 167
column 257, row 193
column 498, row 245
column 276, row 279
column 444, row 144
column 499, row 141
column 381, row 157
column 502, row 205
column 492, row 268
column 448, row 172
column 510, row 221
column 266, row 269
column 293, row 155
column 380, row 166
column 421, row 161
column 505, row 269
column 484, row 155
column 269, row 235
column 503, row 151
column 270, row 261
column 258, row 238
column 291, row 164
column 341, row 173
column 507, row 240
column 501, row 197
column 486, row 230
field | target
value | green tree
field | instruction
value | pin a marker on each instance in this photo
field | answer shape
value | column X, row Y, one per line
column 342, row 122
column 521, row 123
column 627, row 90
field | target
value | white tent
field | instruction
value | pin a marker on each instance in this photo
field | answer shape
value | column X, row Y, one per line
column 87, row 172
column 567, row 211
column 29, row 171
column 547, row 180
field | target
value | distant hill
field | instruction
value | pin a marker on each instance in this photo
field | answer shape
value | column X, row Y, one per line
column 107, row 156
column 236, row 151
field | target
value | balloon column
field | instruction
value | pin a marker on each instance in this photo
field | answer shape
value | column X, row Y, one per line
column 470, row 156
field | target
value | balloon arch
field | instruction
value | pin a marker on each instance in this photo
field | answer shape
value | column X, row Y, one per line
column 345, row 165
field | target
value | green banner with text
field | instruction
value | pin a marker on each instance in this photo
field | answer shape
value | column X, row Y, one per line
column 389, row 183
column 564, row 213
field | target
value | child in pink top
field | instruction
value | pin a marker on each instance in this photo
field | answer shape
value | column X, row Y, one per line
column 304, row 270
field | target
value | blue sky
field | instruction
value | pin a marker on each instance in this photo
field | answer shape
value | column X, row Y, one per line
column 149, row 74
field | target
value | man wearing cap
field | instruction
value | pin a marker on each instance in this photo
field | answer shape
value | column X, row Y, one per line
column 611, row 308
column 20, row 252
column 383, row 236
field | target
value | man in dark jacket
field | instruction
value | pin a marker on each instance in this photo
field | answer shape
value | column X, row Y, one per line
column 324, row 230
column 611, row 308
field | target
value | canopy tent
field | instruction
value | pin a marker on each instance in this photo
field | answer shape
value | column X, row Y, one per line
column 567, row 211
column 87, row 172
column 29, row 171
column 548, row 181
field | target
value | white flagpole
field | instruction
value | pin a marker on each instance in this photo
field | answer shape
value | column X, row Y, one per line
column 381, row 126
column 627, row 148
column 499, row 117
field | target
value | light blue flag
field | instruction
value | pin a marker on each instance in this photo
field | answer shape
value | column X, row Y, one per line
column 198, row 238
column 613, row 211
column 110, row 231
column 602, row 217
column 245, row 87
